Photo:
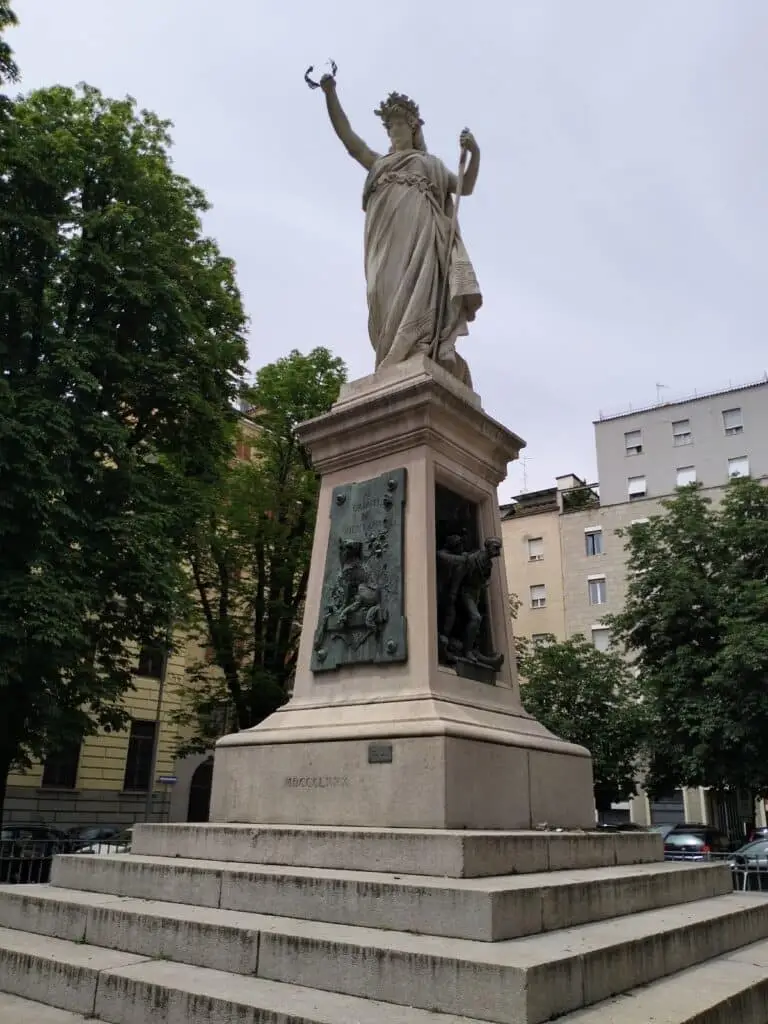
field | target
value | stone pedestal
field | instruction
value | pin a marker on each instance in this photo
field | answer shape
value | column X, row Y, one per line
column 409, row 743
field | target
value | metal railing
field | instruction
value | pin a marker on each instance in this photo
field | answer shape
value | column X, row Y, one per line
column 747, row 874
column 28, row 858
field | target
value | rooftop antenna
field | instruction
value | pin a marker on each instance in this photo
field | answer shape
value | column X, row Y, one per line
column 659, row 389
column 524, row 464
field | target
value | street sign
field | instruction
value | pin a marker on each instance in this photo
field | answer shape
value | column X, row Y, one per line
column 167, row 780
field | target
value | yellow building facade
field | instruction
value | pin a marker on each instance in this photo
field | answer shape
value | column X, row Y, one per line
column 533, row 557
column 108, row 777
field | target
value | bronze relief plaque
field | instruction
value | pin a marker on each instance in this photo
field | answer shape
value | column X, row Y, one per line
column 362, row 613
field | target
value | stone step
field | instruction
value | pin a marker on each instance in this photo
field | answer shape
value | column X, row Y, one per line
column 14, row 1010
column 442, row 852
column 145, row 990
column 731, row 989
column 516, row 981
column 728, row 989
column 61, row 974
column 722, row 991
column 486, row 909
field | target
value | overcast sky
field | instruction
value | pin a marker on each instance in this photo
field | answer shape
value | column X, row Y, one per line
column 620, row 224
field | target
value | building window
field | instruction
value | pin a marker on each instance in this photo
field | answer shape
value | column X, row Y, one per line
column 686, row 475
column 151, row 662
column 636, row 488
column 539, row 596
column 601, row 637
column 681, row 433
column 60, row 768
column 535, row 549
column 542, row 639
column 738, row 467
column 733, row 422
column 138, row 765
column 593, row 541
column 597, row 591
column 633, row 442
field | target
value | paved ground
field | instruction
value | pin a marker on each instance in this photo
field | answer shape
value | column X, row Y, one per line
column 22, row 1011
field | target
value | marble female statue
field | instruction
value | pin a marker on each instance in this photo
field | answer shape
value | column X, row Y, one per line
column 408, row 204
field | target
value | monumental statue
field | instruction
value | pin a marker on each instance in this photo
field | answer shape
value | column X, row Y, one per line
column 421, row 287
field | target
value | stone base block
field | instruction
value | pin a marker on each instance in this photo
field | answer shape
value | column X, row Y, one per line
column 408, row 782
column 443, row 853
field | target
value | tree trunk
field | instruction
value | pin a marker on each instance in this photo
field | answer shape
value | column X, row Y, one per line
column 5, row 767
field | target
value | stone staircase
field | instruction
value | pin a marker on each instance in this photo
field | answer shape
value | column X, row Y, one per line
column 217, row 924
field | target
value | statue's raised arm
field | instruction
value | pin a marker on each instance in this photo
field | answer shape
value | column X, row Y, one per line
column 353, row 144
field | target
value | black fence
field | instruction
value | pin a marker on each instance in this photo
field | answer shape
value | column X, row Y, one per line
column 27, row 858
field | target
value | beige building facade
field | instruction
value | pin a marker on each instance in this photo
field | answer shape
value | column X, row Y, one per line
column 533, row 555
column 530, row 533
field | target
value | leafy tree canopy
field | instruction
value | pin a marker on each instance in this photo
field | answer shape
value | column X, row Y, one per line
column 249, row 559
column 9, row 71
column 696, row 621
column 121, row 355
column 589, row 697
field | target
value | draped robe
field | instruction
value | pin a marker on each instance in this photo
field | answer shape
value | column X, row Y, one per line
column 408, row 209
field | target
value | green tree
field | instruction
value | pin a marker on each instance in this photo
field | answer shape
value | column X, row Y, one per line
column 696, row 622
column 249, row 560
column 589, row 697
column 9, row 71
column 121, row 355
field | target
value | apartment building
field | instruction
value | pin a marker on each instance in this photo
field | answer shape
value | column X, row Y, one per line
column 704, row 439
column 642, row 457
column 533, row 556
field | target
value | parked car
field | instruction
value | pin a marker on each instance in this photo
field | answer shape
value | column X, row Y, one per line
column 86, row 835
column 26, row 852
column 695, row 842
column 759, row 832
column 118, row 843
column 749, row 866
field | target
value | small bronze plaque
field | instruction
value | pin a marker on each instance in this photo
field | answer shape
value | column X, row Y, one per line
column 379, row 753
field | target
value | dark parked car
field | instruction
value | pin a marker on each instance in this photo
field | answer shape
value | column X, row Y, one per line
column 694, row 842
column 26, row 852
column 118, row 843
column 759, row 832
column 86, row 835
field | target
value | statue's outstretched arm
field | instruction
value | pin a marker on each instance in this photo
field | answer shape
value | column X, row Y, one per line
column 353, row 144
